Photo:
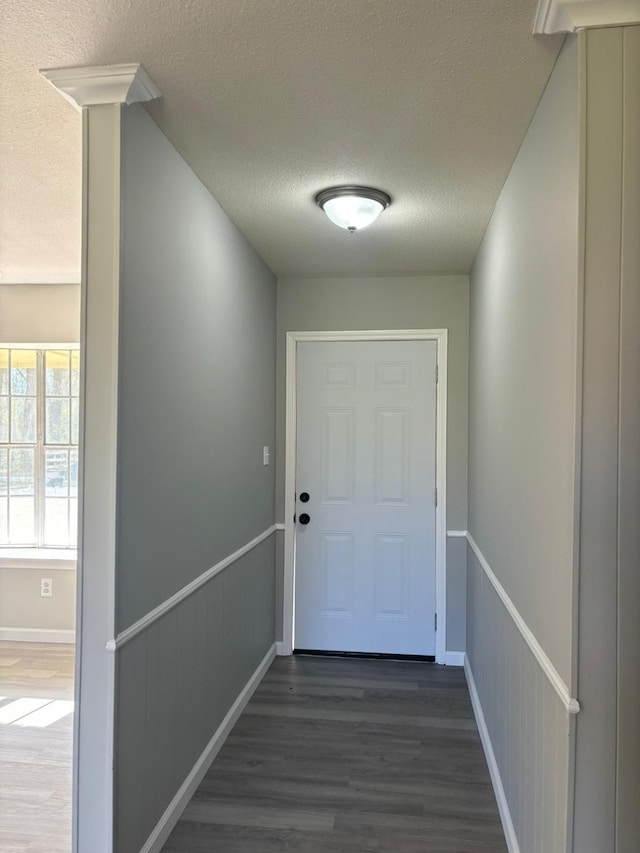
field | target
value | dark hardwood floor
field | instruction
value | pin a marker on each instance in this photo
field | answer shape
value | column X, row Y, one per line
column 342, row 754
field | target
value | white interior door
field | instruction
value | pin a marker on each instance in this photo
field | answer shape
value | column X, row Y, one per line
column 366, row 459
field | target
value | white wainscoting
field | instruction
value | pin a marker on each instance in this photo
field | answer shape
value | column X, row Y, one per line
column 524, row 721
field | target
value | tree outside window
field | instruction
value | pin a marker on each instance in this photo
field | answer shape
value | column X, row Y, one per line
column 39, row 415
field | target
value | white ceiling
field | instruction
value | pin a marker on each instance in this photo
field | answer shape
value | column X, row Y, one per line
column 269, row 101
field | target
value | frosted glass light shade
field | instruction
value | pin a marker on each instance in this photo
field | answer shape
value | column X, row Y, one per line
column 352, row 211
column 352, row 208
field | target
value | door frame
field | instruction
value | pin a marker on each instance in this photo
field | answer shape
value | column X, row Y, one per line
column 440, row 336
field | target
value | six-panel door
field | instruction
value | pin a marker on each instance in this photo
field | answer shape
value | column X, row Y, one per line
column 366, row 451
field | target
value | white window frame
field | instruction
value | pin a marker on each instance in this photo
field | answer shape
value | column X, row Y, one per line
column 38, row 555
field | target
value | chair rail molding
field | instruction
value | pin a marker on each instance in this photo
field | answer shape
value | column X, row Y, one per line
column 153, row 615
column 92, row 85
column 567, row 16
column 571, row 704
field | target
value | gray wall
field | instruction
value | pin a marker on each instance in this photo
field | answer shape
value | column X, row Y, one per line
column 196, row 405
column 197, row 362
column 523, row 355
column 404, row 302
column 608, row 728
column 523, row 380
column 628, row 639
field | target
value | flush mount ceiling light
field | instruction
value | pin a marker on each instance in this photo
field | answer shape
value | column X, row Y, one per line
column 352, row 208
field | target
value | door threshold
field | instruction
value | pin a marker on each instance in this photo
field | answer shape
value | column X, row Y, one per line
column 366, row 655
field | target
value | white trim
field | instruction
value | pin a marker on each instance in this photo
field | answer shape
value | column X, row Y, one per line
column 92, row 85
column 288, row 584
column 567, row 16
column 27, row 278
column 494, row 772
column 280, row 649
column 440, row 336
column 571, row 705
column 163, row 828
column 454, row 658
column 155, row 614
column 371, row 335
column 37, row 635
column 457, row 534
column 280, row 526
column 39, row 345
column 37, row 558
column 94, row 719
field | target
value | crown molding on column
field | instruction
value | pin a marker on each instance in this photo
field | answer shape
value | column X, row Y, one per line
column 567, row 16
column 88, row 86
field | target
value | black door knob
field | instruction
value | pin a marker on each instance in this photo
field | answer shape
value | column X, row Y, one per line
column 304, row 518
column 304, row 497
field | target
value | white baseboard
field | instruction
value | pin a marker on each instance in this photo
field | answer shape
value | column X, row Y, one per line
column 37, row 635
column 280, row 649
column 494, row 772
column 165, row 825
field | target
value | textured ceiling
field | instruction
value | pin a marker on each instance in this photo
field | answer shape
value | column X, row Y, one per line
column 270, row 101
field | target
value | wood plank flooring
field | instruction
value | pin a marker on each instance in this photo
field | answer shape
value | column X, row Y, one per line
column 340, row 754
column 35, row 755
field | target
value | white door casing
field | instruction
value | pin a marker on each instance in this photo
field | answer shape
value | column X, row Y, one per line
column 365, row 536
column 393, row 542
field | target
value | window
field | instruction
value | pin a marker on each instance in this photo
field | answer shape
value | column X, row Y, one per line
column 39, row 447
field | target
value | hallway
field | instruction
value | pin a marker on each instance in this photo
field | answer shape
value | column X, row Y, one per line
column 343, row 754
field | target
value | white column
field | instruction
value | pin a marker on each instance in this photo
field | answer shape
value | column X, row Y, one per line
column 100, row 93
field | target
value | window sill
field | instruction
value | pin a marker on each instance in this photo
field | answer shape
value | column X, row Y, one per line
column 37, row 558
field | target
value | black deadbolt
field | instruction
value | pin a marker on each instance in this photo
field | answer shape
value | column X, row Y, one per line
column 305, row 518
column 304, row 497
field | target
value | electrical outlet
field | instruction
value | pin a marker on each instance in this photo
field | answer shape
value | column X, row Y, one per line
column 46, row 587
